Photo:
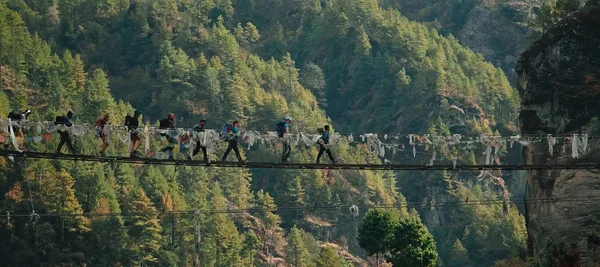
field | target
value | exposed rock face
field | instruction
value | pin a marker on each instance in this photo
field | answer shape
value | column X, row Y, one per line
column 559, row 82
column 497, row 38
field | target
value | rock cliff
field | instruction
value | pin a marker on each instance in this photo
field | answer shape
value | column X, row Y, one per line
column 498, row 39
column 559, row 83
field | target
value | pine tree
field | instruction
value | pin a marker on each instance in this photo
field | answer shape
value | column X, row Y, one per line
column 296, row 252
column 266, row 204
column 251, row 246
column 97, row 97
column 224, row 243
column 236, row 187
column 144, row 229
column 376, row 232
column 330, row 258
column 296, row 191
column 412, row 244
column 59, row 197
column 459, row 255
column 107, row 238
column 313, row 79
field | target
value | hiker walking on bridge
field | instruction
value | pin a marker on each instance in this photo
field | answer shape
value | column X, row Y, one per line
column 324, row 145
column 132, row 124
column 64, row 134
column 169, row 123
column 283, row 131
column 230, row 134
column 100, row 124
column 200, row 129
column 18, row 117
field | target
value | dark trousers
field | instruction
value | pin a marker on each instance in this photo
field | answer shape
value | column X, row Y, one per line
column 324, row 149
column 197, row 149
column 287, row 150
column 232, row 145
column 65, row 139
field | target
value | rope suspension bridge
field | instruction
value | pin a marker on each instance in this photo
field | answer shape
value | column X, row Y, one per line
column 34, row 140
column 404, row 147
column 269, row 165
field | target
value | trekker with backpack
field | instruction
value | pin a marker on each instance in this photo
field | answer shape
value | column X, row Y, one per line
column 230, row 134
column 64, row 134
column 100, row 132
column 283, row 130
column 168, row 123
column 200, row 129
column 18, row 117
column 132, row 123
column 324, row 145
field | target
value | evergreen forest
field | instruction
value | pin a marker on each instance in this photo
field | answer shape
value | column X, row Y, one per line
column 358, row 65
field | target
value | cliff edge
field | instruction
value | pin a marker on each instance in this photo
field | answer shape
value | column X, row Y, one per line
column 559, row 83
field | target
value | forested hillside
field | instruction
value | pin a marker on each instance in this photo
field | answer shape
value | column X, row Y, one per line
column 349, row 63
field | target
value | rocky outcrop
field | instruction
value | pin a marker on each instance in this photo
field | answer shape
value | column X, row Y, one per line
column 559, row 82
column 497, row 38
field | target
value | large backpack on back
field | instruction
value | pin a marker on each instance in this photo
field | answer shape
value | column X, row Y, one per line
column 164, row 123
column 226, row 131
column 15, row 116
column 128, row 120
column 280, row 128
column 59, row 120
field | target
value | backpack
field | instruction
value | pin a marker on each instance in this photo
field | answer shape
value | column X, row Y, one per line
column 164, row 123
column 128, row 120
column 198, row 128
column 59, row 120
column 15, row 116
column 226, row 130
column 280, row 128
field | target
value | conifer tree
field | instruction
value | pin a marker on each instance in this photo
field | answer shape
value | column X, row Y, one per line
column 266, row 204
column 412, row 244
column 376, row 232
column 97, row 97
column 296, row 252
column 330, row 258
column 144, row 229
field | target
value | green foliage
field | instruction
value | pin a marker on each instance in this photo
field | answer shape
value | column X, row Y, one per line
column 412, row 245
column 266, row 204
column 313, row 79
column 330, row 258
column 405, row 240
column 459, row 255
column 144, row 229
column 252, row 60
column 549, row 12
column 376, row 231
column 96, row 96
column 297, row 251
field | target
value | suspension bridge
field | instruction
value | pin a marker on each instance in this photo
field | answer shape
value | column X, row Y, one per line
column 270, row 165
column 412, row 152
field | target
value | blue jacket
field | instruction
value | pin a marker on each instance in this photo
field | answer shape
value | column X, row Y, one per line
column 67, row 122
column 325, row 137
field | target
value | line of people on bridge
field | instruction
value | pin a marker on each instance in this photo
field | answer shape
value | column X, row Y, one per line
column 230, row 134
